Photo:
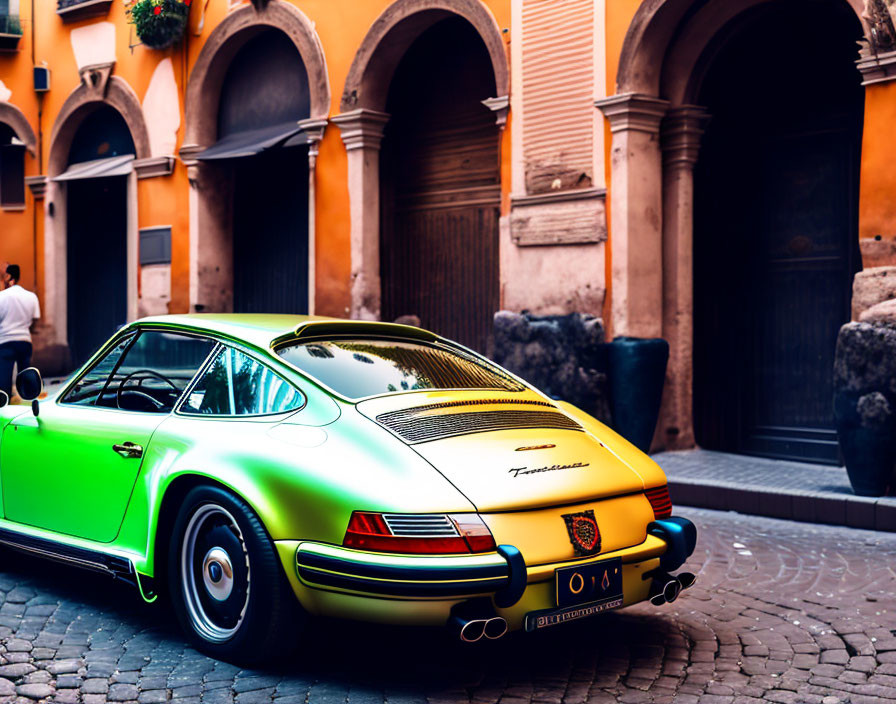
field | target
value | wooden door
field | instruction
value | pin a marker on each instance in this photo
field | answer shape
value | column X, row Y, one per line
column 441, row 188
column 97, row 285
column 800, row 286
column 270, row 232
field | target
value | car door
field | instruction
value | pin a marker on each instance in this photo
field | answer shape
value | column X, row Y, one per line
column 72, row 468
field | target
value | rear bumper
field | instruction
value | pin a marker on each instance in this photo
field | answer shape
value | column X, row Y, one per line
column 337, row 581
column 340, row 568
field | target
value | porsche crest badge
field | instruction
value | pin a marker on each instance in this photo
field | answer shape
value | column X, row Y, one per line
column 583, row 532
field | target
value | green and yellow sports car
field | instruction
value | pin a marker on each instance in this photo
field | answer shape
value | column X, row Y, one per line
column 258, row 469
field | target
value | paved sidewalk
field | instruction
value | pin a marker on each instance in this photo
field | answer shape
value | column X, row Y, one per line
column 762, row 487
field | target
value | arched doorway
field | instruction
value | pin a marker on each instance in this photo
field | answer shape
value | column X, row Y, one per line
column 262, row 155
column 676, row 54
column 440, row 186
column 96, row 208
column 776, row 228
column 260, row 68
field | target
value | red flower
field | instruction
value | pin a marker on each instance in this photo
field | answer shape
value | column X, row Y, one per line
column 187, row 2
column 157, row 10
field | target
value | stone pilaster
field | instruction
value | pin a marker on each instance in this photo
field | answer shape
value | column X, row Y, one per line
column 362, row 133
column 636, row 205
column 682, row 130
column 314, row 130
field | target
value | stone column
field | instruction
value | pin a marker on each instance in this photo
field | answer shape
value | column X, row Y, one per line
column 681, row 132
column 636, row 204
column 314, row 130
column 362, row 133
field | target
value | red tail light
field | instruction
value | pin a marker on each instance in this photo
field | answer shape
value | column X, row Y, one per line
column 660, row 501
column 426, row 534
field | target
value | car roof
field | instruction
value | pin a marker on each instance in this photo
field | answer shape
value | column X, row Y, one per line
column 263, row 330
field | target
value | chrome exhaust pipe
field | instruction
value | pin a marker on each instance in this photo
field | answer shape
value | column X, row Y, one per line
column 468, row 630
column 495, row 628
column 473, row 620
column 687, row 580
column 664, row 588
column 671, row 590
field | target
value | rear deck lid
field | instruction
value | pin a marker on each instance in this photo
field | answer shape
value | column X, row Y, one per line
column 506, row 452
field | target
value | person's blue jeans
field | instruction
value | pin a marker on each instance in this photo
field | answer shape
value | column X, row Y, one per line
column 17, row 352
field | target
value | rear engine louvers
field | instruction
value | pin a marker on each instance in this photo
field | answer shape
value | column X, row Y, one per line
column 424, row 423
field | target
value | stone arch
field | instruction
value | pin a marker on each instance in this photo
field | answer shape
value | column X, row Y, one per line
column 657, row 128
column 80, row 104
column 77, row 108
column 658, row 22
column 370, row 75
column 15, row 118
column 207, row 76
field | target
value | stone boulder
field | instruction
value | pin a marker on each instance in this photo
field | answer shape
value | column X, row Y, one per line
column 880, row 313
column 872, row 286
column 558, row 354
column 865, row 360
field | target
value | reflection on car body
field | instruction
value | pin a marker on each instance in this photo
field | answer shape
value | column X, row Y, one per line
column 263, row 468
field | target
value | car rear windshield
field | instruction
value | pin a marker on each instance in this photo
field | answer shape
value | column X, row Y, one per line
column 360, row 368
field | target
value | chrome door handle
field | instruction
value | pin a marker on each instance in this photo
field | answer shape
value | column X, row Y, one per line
column 128, row 449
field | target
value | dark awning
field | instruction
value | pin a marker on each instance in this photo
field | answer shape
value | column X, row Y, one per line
column 252, row 142
column 98, row 168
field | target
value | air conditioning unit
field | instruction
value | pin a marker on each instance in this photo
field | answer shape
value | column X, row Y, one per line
column 41, row 79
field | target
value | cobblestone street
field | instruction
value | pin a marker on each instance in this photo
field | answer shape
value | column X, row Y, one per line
column 788, row 612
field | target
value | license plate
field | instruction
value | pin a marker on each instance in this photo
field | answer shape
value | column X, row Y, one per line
column 543, row 619
column 592, row 582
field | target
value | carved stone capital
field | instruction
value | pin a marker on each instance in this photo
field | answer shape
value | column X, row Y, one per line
column 633, row 112
column 154, row 166
column 188, row 153
column 314, row 130
column 37, row 184
column 877, row 68
column 499, row 106
column 95, row 78
column 362, row 128
column 682, row 128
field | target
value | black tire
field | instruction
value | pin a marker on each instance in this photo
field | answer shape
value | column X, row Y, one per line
column 246, row 615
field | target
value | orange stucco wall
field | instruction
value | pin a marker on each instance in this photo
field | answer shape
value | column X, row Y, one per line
column 164, row 200
column 17, row 226
column 618, row 17
column 877, row 206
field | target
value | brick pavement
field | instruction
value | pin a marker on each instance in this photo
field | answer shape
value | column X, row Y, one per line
column 758, row 486
column 783, row 612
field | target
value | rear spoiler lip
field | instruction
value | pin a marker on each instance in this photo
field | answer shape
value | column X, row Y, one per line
column 367, row 328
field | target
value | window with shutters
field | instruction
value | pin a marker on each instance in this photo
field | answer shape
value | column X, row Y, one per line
column 558, row 94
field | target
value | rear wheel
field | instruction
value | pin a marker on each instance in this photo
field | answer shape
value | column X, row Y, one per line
column 226, row 584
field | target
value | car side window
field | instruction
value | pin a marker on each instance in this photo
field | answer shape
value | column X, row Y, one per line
column 234, row 384
column 154, row 371
column 88, row 388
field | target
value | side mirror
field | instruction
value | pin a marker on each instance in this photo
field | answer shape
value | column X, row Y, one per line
column 4, row 398
column 30, row 385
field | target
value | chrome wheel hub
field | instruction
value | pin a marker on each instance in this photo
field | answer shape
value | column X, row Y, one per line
column 214, row 573
column 217, row 573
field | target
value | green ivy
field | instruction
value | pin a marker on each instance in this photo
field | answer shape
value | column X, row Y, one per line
column 159, row 23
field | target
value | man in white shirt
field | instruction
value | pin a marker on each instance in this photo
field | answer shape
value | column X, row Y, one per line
column 18, row 310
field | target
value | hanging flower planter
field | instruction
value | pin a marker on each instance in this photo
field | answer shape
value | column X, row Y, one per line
column 159, row 23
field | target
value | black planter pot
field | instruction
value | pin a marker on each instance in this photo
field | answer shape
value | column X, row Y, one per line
column 870, row 455
column 864, row 405
column 637, row 373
